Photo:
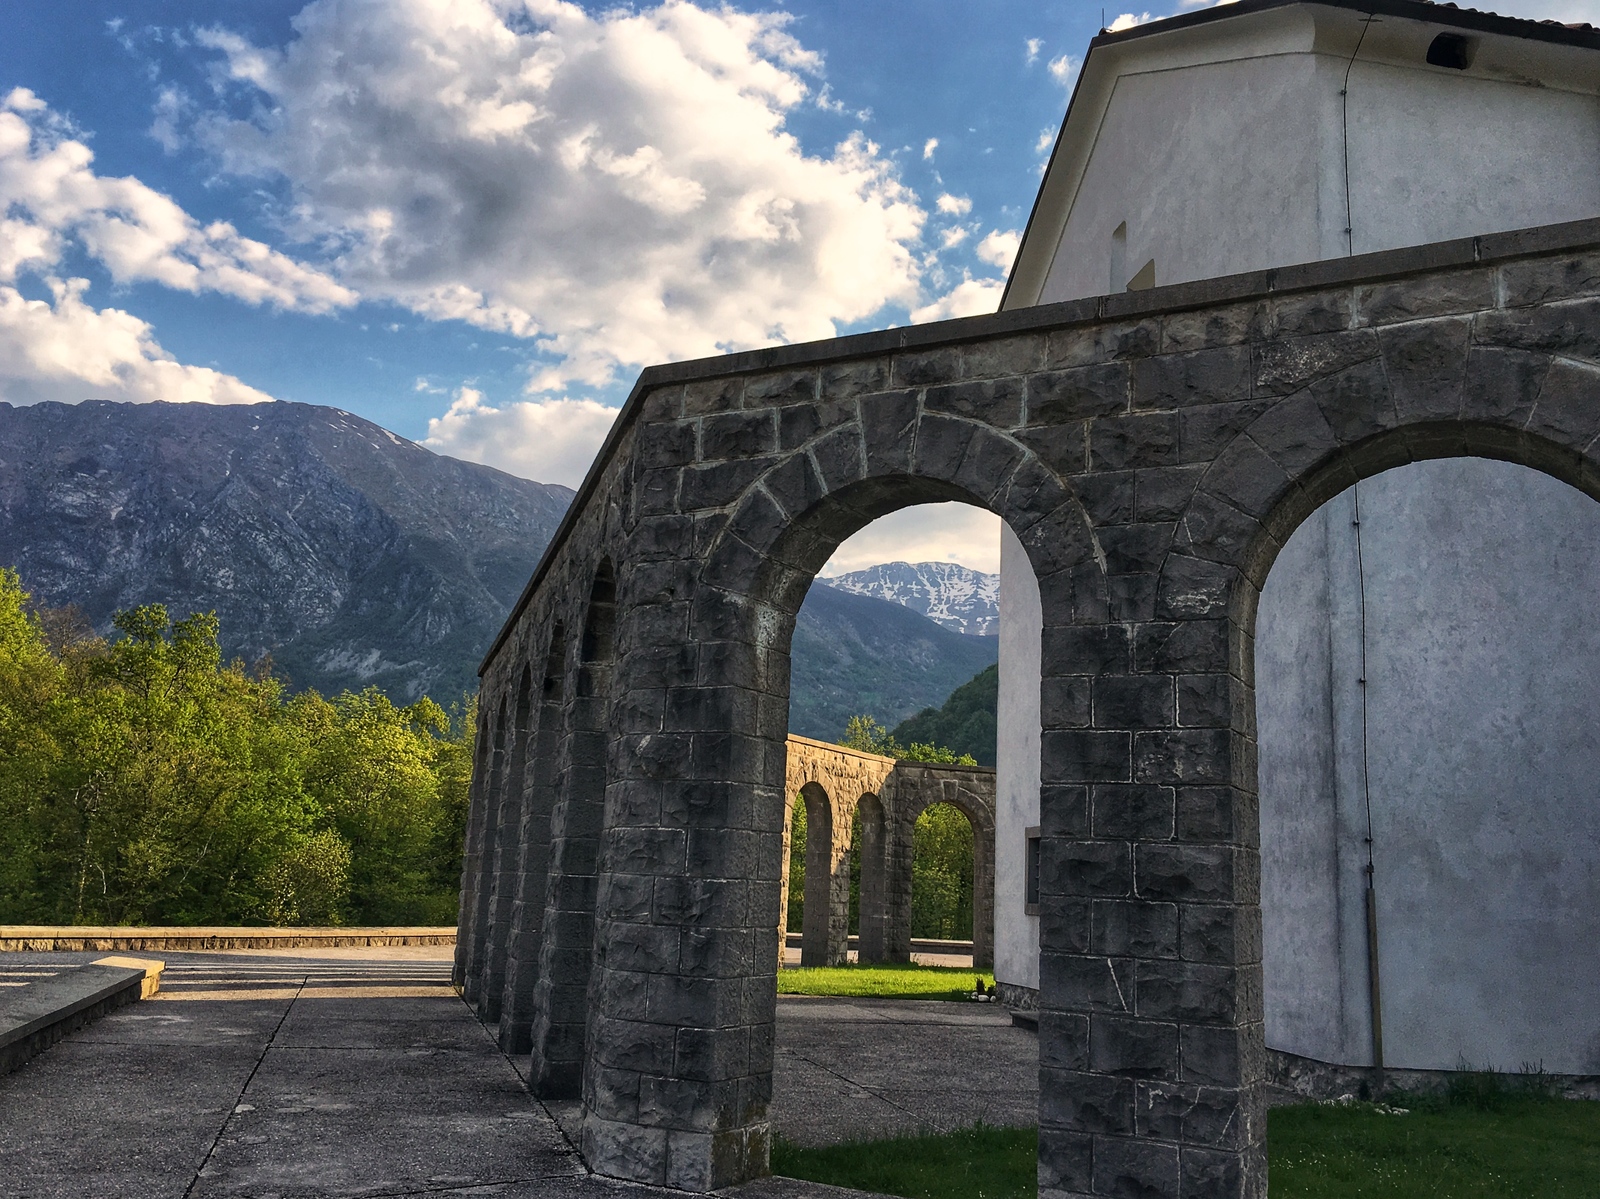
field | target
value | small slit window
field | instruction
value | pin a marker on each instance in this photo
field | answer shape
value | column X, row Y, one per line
column 1450, row 50
column 1030, row 890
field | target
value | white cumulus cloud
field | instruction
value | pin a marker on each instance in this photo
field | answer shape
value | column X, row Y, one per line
column 50, row 197
column 551, row 441
column 999, row 248
column 1064, row 70
column 1034, row 46
column 954, row 205
column 928, row 147
column 65, row 349
column 1128, row 20
column 970, row 297
column 618, row 184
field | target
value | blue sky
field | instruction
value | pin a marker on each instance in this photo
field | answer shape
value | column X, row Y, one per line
column 474, row 221
column 162, row 93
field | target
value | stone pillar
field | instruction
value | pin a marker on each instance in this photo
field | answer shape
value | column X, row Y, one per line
column 874, row 912
column 533, row 869
column 679, row 1076
column 472, row 982
column 1150, row 976
column 472, row 852
column 502, row 871
column 561, row 996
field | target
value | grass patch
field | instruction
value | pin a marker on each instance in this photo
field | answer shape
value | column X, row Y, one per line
column 975, row 1163
column 1481, row 1139
column 891, row 981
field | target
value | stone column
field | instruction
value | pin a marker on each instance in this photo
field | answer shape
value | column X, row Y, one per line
column 472, row 853
column 494, row 781
column 679, row 1077
column 501, row 872
column 1150, row 976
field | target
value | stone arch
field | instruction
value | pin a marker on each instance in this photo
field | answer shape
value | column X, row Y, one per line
column 1111, row 435
column 533, row 868
column 566, row 953
column 914, row 788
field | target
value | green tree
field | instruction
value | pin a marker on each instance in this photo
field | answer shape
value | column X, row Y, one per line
column 144, row 781
column 941, row 878
column 866, row 734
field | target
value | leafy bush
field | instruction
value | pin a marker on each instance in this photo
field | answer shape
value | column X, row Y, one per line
column 144, row 781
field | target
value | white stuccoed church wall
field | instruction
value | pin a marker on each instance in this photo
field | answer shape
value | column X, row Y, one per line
column 1483, row 579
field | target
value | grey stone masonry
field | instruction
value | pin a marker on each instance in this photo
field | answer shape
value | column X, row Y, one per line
column 1152, row 451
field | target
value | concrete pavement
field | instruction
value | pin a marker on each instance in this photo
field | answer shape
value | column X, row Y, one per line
column 288, row 1074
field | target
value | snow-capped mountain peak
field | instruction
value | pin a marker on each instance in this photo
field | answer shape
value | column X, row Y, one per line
column 955, row 596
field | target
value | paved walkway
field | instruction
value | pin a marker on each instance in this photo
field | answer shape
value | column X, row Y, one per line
column 289, row 1074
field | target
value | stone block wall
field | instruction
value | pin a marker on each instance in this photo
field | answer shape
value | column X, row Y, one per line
column 1151, row 451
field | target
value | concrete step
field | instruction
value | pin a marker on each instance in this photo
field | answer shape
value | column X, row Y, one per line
column 40, row 1005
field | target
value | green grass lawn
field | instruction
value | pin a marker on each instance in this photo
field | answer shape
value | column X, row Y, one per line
column 976, row 1163
column 907, row 981
column 1509, row 1147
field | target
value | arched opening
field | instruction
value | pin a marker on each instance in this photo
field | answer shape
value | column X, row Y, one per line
column 488, row 847
column 822, row 944
column 533, row 869
column 1424, row 653
column 908, row 849
column 576, row 823
column 504, row 868
column 941, row 874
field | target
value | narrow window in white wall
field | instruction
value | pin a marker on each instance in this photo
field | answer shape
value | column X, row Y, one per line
column 1119, row 258
column 1030, row 893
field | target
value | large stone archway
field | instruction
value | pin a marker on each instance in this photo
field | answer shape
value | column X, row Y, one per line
column 1152, row 451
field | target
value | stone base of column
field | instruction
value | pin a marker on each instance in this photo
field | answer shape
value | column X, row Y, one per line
column 687, row 1161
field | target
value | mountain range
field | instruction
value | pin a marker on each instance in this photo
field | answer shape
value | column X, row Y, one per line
column 353, row 557
column 957, row 597
column 859, row 655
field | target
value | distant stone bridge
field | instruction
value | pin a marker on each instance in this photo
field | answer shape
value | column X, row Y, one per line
column 1152, row 451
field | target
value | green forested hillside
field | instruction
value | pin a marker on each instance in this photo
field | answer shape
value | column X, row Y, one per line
column 966, row 722
column 855, row 654
column 142, row 781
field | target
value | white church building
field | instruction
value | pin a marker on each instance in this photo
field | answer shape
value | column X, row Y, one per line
column 1428, row 643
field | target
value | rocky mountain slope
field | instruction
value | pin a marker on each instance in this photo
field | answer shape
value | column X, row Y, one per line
column 350, row 555
column 860, row 655
column 957, row 597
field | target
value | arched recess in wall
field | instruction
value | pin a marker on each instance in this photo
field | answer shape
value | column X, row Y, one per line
column 533, row 868
column 503, row 867
column 1427, row 665
column 566, row 952
column 488, row 847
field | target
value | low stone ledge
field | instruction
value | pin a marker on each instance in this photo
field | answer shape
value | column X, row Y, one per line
column 36, row 1016
column 48, row 938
